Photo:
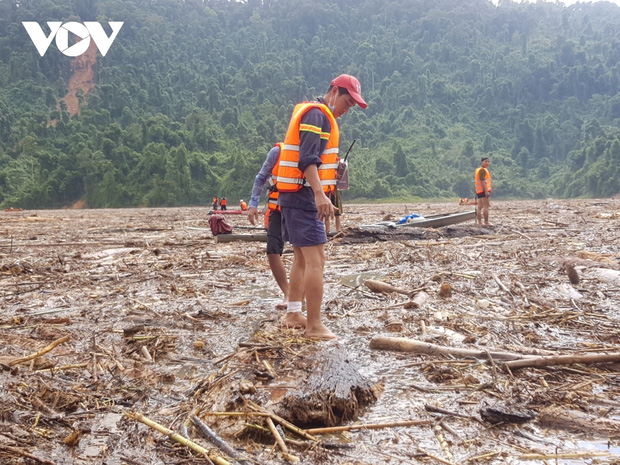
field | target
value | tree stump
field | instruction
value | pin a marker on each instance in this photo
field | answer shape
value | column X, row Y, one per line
column 333, row 394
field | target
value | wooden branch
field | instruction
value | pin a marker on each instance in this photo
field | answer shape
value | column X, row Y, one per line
column 400, row 344
column 23, row 453
column 44, row 351
column 394, row 424
column 177, row 437
column 574, row 421
column 215, row 439
column 563, row 360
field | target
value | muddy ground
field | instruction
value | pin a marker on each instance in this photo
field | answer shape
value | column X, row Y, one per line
column 162, row 321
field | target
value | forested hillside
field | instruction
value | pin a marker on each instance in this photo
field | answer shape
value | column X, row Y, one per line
column 192, row 94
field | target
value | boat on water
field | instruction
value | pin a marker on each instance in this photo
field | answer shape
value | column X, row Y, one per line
column 433, row 221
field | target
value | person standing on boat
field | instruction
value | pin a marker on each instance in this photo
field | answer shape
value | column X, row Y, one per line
column 243, row 206
column 275, row 244
column 223, row 203
column 482, row 180
column 306, row 176
column 214, row 203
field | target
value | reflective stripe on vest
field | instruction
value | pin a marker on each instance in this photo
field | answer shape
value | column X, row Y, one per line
column 272, row 202
column 487, row 180
column 290, row 178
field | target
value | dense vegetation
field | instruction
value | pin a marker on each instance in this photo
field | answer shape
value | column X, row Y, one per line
column 192, row 94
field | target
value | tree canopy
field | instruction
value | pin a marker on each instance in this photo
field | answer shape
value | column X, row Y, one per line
column 192, row 94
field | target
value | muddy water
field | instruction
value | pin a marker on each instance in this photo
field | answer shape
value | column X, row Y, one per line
column 93, row 274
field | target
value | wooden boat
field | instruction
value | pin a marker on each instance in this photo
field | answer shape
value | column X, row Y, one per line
column 433, row 221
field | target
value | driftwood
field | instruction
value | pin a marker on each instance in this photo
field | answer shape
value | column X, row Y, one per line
column 394, row 424
column 563, row 360
column 177, row 438
column 38, row 354
column 215, row 439
column 400, row 344
column 333, row 394
column 570, row 420
column 381, row 287
column 418, row 300
column 259, row 237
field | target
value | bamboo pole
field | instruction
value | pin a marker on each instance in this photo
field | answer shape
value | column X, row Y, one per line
column 394, row 424
column 38, row 354
column 177, row 437
column 280, row 441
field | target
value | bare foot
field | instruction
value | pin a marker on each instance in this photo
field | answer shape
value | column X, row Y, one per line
column 282, row 305
column 320, row 332
column 294, row 320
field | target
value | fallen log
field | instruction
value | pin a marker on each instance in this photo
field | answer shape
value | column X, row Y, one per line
column 579, row 422
column 332, row 394
column 400, row 344
column 381, row 287
column 563, row 360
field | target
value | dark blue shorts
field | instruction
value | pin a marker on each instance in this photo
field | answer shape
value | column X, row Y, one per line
column 302, row 228
column 275, row 244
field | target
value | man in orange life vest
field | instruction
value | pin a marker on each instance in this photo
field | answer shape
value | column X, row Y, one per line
column 306, row 175
column 482, row 180
column 242, row 205
column 214, row 203
column 275, row 244
column 223, row 203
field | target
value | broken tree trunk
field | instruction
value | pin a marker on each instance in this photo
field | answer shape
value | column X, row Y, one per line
column 400, row 344
column 333, row 394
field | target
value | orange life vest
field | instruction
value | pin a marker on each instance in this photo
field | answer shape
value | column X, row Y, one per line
column 290, row 178
column 223, row 202
column 243, row 205
column 266, row 219
column 214, row 199
column 487, row 180
column 272, row 199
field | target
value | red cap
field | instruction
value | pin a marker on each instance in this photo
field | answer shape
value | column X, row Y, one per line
column 352, row 85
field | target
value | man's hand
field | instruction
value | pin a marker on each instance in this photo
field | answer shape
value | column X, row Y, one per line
column 253, row 215
column 324, row 206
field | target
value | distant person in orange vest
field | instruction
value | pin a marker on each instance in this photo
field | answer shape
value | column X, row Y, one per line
column 243, row 205
column 273, row 222
column 214, row 203
column 482, row 182
column 223, row 203
column 306, row 177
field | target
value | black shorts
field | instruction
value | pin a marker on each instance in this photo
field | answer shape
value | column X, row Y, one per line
column 480, row 196
column 275, row 244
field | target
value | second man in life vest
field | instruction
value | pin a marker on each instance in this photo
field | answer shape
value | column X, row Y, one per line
column 306, row 175
column 482, row 182
column 275, row 244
